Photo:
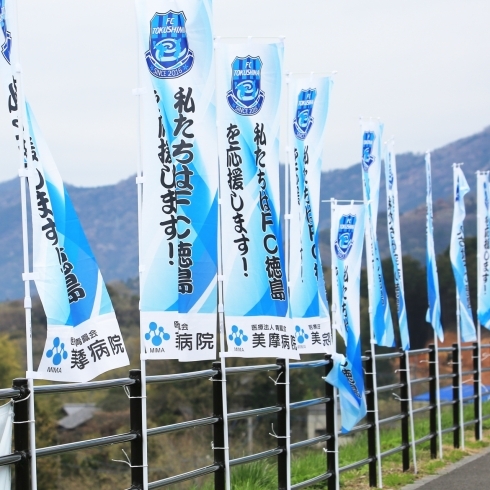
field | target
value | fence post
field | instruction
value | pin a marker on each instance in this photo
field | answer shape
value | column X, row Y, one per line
column 218, row 429
column 21, row 435
column 476, row 389
column 136, row 427
column 282, row 457
column 404, row 407
column 330, row 425
column 433, row 401
column 456, row 363
column 371, row 419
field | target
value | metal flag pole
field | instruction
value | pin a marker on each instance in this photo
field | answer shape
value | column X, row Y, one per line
column 373, row 353
column 335, row 390
column 139, row 183
column 438, row 394
column 222, row 347
column 478, row 329
column 460, row 370
column 410, row 410
column 25, row 166
column 139, row 91
column 287, row 250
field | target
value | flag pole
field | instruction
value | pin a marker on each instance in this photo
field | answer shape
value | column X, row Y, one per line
column 335, row 390
column 410, row 410
column 438, row 394
column 460, row 370
column 222, row 347
column 25, row 167
column 287, row 250
column 478, row 329
column 139, row 184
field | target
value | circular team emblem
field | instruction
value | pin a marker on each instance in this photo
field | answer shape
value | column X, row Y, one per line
column 169, row 55
column 246, row 97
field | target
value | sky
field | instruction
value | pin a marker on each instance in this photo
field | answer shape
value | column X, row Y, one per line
column 422, row 67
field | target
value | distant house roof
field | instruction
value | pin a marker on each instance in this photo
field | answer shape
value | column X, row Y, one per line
column 78, row 414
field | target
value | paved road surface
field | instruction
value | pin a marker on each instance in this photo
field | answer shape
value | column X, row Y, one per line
column 472, row 473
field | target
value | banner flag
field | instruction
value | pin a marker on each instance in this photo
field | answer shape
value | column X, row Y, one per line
column 83, row 336
column 346, row 241
column 434, row 311
column 179, row 224
column 483, row 241
column 379, row 304
column 458, row 256
column 255, row 293
column 6, row 420
column 307, row 115
column 394, row 238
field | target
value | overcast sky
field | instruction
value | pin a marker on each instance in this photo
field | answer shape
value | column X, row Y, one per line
column 422, row 66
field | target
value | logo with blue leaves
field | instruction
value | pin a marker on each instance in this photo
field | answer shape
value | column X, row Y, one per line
column 304, row 120
column 391, row 178
column 237, row 336
column 367, row 149
column 300, row 334
column 246, row 97
column 169, row 55
column 57, row 353
column 156, row 334
column 345, row 235
column 457, row 198
column 7, row 45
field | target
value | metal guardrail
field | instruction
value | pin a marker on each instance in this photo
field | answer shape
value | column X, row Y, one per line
column 20, row 458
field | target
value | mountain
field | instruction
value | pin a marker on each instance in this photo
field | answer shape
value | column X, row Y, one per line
column 109, row 213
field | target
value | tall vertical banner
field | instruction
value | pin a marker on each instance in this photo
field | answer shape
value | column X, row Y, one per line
column 381, row 321
column 255, row 294
column 83, row 336
column 483, row 244
column 179, row 227
column 308, row 102
column 395, row 242
column 434, row 311
column 458, row 256
column 347, row 235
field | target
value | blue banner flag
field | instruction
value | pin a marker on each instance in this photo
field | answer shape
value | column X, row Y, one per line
column 255, row 292
column 380, row 312
column 308, row 108
column 346, row 243
column 83, row 336
column 458, row 256
column 483, row 244
column 395, row 242
column 179, row 218
column 434, row 311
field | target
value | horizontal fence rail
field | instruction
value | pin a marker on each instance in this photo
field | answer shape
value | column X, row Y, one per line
column 19, row 394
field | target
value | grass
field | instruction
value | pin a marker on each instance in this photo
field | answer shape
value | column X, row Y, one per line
column 309, row 463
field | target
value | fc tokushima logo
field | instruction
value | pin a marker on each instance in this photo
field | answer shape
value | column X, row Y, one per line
column 169, row 55
column 246, row 97
column 303, row 120
column 367, row 150
column 391, row 177
column 345, row 235
column 7, row 45
column 486, row 197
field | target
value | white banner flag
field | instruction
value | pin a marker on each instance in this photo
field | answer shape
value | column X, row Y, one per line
column 178, row 243
column 249, row 86
column 346, row 241
column 308, row 102
column 483, row 241
column 395, row 242
column 458, row 256
column 382, row 324
column 6, row 419
column 83, row 336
